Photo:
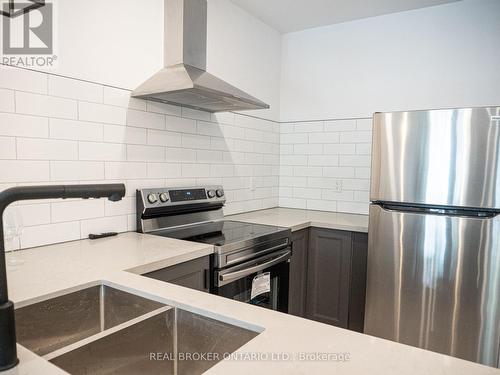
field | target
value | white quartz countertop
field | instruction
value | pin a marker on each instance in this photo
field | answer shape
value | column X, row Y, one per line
column 297, row 219
column 49, row 270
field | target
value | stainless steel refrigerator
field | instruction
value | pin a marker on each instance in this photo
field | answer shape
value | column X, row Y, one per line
column 434, row 234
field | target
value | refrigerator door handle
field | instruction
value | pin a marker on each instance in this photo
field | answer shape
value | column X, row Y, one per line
column 436, row 210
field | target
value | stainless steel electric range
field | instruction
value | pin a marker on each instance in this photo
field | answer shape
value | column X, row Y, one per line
column 251, row 261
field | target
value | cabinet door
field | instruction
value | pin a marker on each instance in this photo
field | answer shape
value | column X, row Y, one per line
column 298, row 273
column 192, row 274
column 358, row 281
column 329, row 263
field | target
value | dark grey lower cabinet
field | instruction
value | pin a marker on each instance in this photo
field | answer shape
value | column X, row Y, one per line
column 192, row 274
column 357, row 288
column 328, row 276
column 328, row 272
column 298, row 273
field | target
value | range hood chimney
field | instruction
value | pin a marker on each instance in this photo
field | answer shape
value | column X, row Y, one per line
column 184, row 80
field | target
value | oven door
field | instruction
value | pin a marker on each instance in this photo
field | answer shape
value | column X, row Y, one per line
column 236, row 282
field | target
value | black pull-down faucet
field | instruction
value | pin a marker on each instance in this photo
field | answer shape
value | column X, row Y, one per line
column 114, row 192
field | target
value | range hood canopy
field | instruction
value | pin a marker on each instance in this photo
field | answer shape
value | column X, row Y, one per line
column 184, row 80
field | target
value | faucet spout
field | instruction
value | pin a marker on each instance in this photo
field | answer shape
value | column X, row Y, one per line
column 114, row 192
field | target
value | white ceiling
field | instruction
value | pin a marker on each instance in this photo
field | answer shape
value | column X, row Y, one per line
column 294, row 15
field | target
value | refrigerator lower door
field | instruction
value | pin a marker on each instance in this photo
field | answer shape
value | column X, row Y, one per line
column 434, row 282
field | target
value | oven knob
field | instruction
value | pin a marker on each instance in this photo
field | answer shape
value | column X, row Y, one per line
column 163, row 197
column 211, row 193
column 152, row 198
column 220, row 193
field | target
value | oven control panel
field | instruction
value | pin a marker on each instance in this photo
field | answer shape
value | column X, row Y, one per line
column 164, row 197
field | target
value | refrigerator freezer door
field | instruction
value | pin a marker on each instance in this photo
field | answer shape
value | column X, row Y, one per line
column 434, row 282
column 447, row 157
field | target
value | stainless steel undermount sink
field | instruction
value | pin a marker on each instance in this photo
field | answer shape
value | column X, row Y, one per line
column 103, row 330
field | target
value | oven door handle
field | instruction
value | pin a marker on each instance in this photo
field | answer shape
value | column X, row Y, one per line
column 228, row 277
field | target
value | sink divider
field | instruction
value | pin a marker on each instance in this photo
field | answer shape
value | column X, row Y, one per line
column 107, row 332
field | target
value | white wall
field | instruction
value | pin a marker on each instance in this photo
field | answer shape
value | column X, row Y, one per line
column 120, row 43
column 56, row 130
column 443, row 56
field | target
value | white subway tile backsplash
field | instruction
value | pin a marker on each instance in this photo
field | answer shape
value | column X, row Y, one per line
column 101, row 134
column 181, row 155
column 221, row 144
column 195, row 170
column 164, row 170
column 24, row 171
column 196, row 141
column 308, row 127
column 40, row 235
column 34, row 214
column 338, row 149
column 364, row 124
column 163, row 108
column 75, row 89
column 124, row 207
column 80, row 132
column 7, row 148
column 356, row 137
column 209, row 156
column 13, row 124
column 121, row 98
column 339, row 172
column 164, row 138
column 77, row 210
column 293, row 202
column 293, row 160
column 221, row 170
column 353, row 207
column 108, row 114
column 324, row 137
column 294, row 138
column 144, row 119
column 362, row 173
column 195, row 114
column 7, row 102
column 354, row 161
column 145, row 153
column 306, row 193
column 103, row 224
column 364, row 149
column 76, row 170
column 210, row 128
column 340, row 125
column 356, row 184
column 43, row 105
column 293, row 181
column 181, row 125
column 322, row 182
column 321, row 205
column 46, row 149
column 323, row 160
column 23, row 79
column 75, row 130
column 223, row 118
column 361, row 196
column 308, row 171
column 309, row 149
column 333, row 195
column 124, row 170
column 102, row 151
column 125, row 134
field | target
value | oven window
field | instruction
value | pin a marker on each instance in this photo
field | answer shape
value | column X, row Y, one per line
column 275, row 299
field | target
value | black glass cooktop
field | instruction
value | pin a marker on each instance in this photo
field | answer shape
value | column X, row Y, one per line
column 220, row 233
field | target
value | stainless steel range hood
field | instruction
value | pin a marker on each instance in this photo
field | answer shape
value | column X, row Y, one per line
column 184, row 80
